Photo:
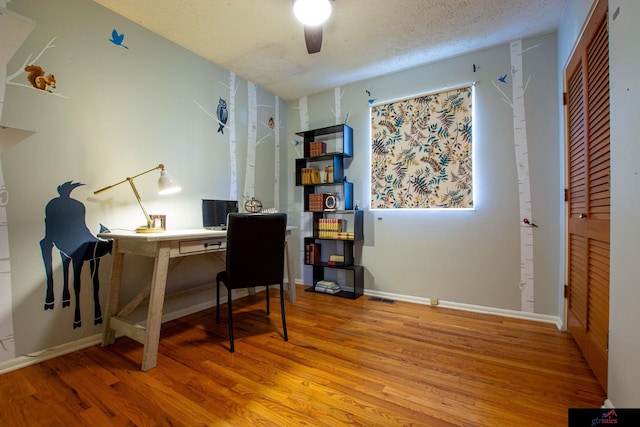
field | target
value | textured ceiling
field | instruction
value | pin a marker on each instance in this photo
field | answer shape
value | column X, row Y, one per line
column 261, row 41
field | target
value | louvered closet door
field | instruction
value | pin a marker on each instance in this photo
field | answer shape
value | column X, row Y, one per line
column 589, row 192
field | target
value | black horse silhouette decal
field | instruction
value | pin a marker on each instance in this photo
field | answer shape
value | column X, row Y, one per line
column 65, row 228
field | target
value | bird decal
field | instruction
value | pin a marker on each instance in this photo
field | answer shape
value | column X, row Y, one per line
column 371, row 100
column 223, row 115
column 117, row 39
column 503, row 78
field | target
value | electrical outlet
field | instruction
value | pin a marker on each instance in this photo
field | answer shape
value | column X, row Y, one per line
column 433, row 301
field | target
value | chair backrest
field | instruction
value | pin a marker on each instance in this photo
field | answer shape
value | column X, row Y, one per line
column 255, row 249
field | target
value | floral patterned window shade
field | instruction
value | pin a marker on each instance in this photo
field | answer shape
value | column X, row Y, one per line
column 421, row 152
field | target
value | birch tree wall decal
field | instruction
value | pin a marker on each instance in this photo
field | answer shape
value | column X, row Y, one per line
column 306, row 221
column 276, row 165
column 304, row 113
column 233, row 164
column 304, row 124
column 522, row 161
column 252, row 131
column 7, row 345
column 252, row 141
column 337, row 111
column 231, row 127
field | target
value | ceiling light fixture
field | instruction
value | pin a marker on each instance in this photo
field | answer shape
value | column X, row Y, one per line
column 312, row 12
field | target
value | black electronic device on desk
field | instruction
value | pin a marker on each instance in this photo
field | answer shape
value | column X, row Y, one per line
column 214, row 213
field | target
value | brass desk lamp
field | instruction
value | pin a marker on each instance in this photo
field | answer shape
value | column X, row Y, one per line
column 166, row 185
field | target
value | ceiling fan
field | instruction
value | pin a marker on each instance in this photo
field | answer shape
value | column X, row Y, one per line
column 312, row 13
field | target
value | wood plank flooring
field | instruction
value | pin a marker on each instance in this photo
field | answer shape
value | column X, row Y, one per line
column 358, row 363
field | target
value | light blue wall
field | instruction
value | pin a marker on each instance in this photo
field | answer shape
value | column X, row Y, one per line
column 465, row 257
column 120, row 112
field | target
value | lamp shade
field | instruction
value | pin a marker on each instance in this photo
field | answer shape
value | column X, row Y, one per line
column 167, row 184
column 312, row 12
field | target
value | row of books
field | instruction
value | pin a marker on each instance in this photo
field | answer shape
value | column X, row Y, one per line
column 310, row 176
column 331, row 224
column 327, row 287
column 338, row 235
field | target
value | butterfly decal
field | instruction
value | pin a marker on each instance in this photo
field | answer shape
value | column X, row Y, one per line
column 117, row 39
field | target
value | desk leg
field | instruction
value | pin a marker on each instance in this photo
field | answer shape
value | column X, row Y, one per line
column 156, row 302
column 291, row 281
column 113, row 295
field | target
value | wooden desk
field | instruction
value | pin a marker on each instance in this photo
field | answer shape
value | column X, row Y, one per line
column 163, row 247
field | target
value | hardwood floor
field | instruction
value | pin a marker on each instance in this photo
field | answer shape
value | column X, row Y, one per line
column 361, row 362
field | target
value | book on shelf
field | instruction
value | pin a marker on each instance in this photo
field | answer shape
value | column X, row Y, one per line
column 327, row 287
column 312, row 253
column 327, row 290
column 345, row 235
column 336, row 260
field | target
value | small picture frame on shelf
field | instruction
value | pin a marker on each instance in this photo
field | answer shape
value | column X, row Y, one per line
column 159, row 221
column 330, row 202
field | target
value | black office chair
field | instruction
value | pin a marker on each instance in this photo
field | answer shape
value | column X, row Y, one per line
column 255, row 257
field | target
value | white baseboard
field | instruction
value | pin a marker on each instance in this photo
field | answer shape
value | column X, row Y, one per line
column 49, row 353
column 470, row 307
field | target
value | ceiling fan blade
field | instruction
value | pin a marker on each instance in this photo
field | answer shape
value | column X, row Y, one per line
column 313, row 38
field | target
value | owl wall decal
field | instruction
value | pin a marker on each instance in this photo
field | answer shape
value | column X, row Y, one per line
column 223, row 115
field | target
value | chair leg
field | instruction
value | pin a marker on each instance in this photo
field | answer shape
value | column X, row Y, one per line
column 217, row 301
column 231, row 348
column 267, row 295
column 284, row 321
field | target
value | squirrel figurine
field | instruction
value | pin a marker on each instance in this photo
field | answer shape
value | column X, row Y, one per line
column 38, row 79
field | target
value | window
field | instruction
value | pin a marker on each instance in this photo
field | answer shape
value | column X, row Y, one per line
column 421, row 151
